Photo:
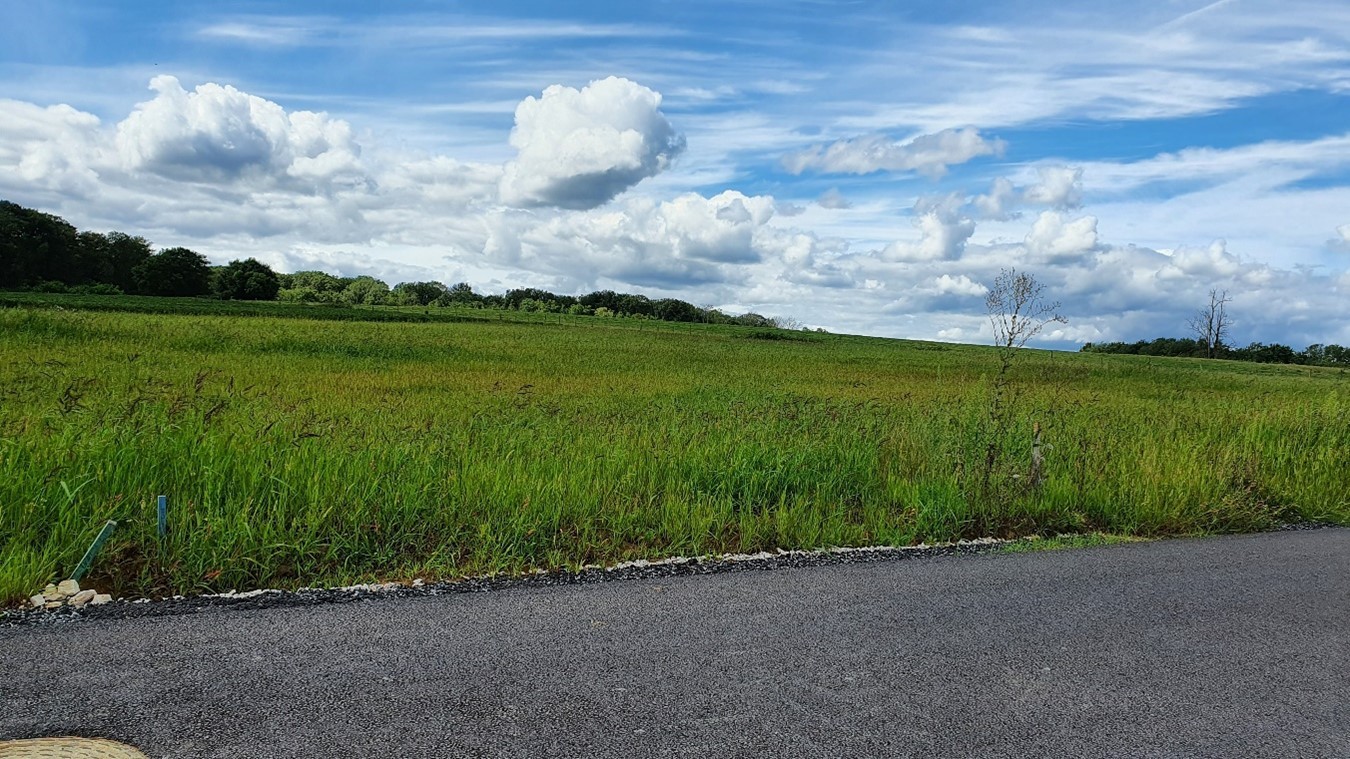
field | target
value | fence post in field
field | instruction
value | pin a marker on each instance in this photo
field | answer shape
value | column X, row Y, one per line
column 162, row 520
column 1037, row 457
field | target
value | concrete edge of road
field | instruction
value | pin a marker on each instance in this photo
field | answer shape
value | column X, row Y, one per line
column 633, row 570
column 67, row 747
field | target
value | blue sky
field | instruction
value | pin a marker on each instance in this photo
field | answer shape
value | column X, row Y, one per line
column 853, row 165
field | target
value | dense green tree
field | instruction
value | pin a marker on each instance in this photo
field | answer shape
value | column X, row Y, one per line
column 673, row 310
column 421, row 294
column 634, row 305
column 607, row 299
column 1335, row 355
column 318, row 281
column 515, row 297
column 1262, row 353
column 92, row 260
column 366, row 291
column 174, row 271
column 249, row 279
column 1161, row 346
column 461, row 294
column 752, row 320
column 125, row 253
column 34, row 247
column 312, row 287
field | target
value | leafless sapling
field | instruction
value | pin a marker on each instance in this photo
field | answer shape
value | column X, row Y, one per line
column 1018, row 311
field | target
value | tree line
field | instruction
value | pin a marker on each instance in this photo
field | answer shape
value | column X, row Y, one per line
column 43, row 252
column 1272, row 353
column 1212, row 324
column 39, row 251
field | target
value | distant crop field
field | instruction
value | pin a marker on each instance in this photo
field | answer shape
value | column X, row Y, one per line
column 309, row 451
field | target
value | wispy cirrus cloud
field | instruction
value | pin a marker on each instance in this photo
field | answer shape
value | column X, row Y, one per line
column 278, row 31
column 1288, row 159
column 928, row 154
column 295, row 31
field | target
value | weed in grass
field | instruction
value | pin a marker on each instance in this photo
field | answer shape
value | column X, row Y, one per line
column 1035, row 543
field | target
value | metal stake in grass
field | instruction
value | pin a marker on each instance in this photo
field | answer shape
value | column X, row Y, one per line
column 92, row 553
column 1037, row 457
column 163, row 516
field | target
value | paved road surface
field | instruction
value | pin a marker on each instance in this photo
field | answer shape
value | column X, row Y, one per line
column 1225, row 647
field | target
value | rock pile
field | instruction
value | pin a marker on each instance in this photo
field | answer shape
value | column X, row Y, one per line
column 67, row 593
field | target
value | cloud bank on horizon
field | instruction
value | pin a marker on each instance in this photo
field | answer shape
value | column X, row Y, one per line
column 866, row 170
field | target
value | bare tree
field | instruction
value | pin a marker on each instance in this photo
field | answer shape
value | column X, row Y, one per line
column 1211, row 324
column 1017, row 311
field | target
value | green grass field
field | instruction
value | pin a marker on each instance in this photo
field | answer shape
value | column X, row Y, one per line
column 311, row 448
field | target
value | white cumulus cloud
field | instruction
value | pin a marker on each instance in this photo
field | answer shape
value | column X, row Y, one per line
column 959, row 285
column 1213, row 262
column 928, row 154
column 217, row 132
column 721, row 228
column 1055, row 236
column 1000, row 202
column 1059, row 187
column 942, row 237
column 55, row 148
column 580, row 148
column 687, row 240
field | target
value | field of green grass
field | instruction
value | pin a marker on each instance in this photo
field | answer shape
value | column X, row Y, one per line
column 312, row 449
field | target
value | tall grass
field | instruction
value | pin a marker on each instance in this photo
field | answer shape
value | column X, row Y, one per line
column 297, row 451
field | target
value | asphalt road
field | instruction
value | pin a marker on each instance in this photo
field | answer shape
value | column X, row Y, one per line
column 1225, row 647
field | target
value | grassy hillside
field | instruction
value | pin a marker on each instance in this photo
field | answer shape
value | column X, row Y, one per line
column 326, row 450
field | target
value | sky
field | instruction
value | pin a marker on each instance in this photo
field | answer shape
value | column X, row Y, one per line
column 864, row 167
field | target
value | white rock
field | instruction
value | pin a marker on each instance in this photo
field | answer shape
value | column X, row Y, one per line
column 54, row 604
column 68, row 587
column 100, row 598
column 37, row 601
column 82, row 598
column 50, row 590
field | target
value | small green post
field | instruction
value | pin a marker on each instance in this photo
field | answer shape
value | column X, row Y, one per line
column 92, row 553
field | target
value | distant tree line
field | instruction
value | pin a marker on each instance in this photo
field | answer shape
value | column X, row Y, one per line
column 320, row 287
column 45, row 253
column 39, row 251
column 1273, row 353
